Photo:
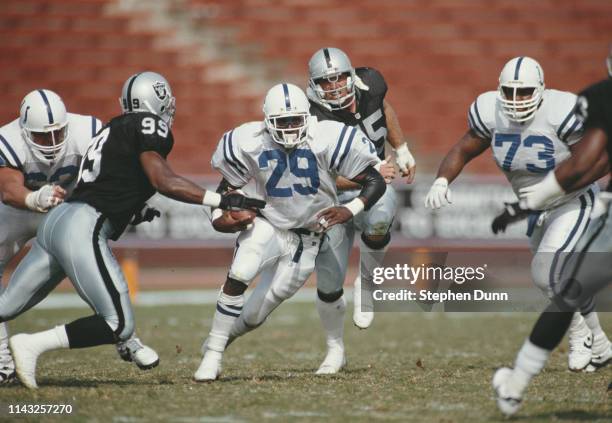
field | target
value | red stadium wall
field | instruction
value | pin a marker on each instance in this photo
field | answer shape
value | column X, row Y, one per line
column 219, row 56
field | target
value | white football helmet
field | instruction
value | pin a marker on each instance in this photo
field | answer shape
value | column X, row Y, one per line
column 286, row 111
column 44, row 124
column 521, row 86
column 330, row 64
column 148, row 92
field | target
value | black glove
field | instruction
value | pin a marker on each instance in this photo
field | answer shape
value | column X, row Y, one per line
column 146, row 214
column 235, row 201
column 512, row 213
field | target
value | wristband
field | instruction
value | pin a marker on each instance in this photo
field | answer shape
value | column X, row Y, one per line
column 356, row 206
column 30, row 201
column 211, row 199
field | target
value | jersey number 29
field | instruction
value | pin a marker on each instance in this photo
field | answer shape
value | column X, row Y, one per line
column 310, row 172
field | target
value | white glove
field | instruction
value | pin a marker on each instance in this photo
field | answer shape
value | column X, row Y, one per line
column 439, row 194
column 539, row 196
column 405, row 159
column 46, row 197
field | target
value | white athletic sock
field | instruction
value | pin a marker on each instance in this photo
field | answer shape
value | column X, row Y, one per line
column 578, row 326
column 228, row 309
column 332, row 318
column 530, row 361
column 51, row 339
column 592, row 321
column 4, row 334
column 370, row 259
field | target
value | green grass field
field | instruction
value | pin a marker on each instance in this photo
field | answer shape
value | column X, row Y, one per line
column 405, row 368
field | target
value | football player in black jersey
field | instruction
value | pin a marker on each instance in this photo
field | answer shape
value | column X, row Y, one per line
column 355, row 97
column 124, row 166
column 586, row 271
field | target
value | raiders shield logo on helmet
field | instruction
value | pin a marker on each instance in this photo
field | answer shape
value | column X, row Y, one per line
column 160, row 90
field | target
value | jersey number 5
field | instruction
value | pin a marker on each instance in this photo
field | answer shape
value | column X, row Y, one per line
column 310, row 172
column 90, row 167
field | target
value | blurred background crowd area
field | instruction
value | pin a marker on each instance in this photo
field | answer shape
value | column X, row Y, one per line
column 221, row 56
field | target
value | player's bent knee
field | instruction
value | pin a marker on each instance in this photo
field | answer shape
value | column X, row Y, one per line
column 329, row 297
column 376, row 242
column 234, row 287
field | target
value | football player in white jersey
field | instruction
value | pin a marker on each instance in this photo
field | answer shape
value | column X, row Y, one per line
column 40, row 156
column 292, row 160
column 530, row 130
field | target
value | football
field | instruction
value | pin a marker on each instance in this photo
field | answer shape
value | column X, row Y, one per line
column 242, row 214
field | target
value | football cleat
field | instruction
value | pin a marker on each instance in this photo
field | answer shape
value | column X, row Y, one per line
column 7, row 366
column 508, row 401
column 580, row 351
column 334, row 360
column 25, row 357
column 362, row 319
column 133, row 350
column 210, row 367
column 602, row 354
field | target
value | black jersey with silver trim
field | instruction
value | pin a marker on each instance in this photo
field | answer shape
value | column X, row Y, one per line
column 111, row 178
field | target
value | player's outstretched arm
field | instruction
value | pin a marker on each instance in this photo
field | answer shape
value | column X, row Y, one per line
column 588, row 162
column 14, row 192
column 373, row 187
column 466, row 149
column 174, row 186
column 395, row 136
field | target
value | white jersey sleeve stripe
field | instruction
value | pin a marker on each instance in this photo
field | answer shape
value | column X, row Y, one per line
column 564, row 123
column 8, row 154
column 226, row 155
column 474, row 127
column 347, row 148
column 337, row 150
column 231, row 150
column 575, row 128
column 481, row 124
column 94, row 126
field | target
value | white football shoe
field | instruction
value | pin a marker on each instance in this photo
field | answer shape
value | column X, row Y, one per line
column 334, row 360
column 210, row 367
column 134, row 350
column 25, row 356
column 508, row 400
column 362, row 319
column 602, row 353
column 7, row 365
column 580, row 351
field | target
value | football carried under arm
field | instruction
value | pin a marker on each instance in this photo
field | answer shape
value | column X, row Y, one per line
column 174, row 186
column 405, row 160
column 231, row 221
column 373, row 187
column 15, row 194
column 466, row 149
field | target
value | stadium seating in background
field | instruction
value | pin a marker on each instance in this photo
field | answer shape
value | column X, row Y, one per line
column 221, row 55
